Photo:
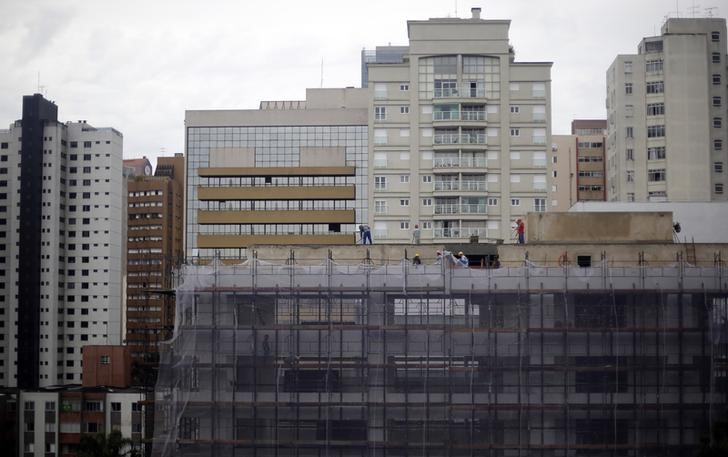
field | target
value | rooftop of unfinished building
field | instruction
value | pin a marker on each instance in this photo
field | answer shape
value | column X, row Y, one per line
column 484, row 255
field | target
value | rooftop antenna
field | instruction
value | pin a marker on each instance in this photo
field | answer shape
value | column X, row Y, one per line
column 456, row 8
column 709, row 11
column 322, row 72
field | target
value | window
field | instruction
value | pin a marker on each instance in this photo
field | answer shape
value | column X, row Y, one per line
column 656, row 153
column 380, row 183
column 492, row 201
column 629, row 154
column 426, row 179
column 717, row 122
column 404, row 87
column 656, row 175
column 718, row 188
column 380, row 160
column 515, row 132
column 538, row 90
column 115, row 406
column 629, row 110
column 715, row 37
column 404, row 179
column 718, row 167
column 404, row 225
column 628, row 67
column 716, row 101
column 380, row 206
column 628, row 88
column 717, row 145
column 380, row 136
column 86, row 144
column 539, row 205
column 3, row 145
column 629, row 132
column 404, row 202
column 404, row 133
column 630, row 175
column 426, row 202
column 655, row 131
column 514, row 87
column 655, row 87
column 716, row 57
column 630, row 196
column 653, row 66
column 716, row 80
column 404, row 110
column 380, row 113
column 515, row 109
column 515, row 202
column 380, row 90
column 92, row 406
column 656, row 109
column 105, row 360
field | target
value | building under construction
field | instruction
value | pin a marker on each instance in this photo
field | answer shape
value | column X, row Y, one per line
column 622, row 351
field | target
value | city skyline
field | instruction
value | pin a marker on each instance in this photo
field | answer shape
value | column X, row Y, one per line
column 139, row 68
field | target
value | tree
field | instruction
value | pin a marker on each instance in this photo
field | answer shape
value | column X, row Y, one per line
column 111, row 445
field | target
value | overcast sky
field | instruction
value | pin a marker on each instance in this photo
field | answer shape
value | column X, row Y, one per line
column 138, row 65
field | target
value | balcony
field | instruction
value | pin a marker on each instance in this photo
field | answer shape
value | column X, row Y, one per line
column 465, row 138
column 446, row 138
column 445, row 92
column 456, row 232
column 446, row 115
column 473, row 186
column 459, row 162
column 456, row 208
column 447, row 185
column 473, row 115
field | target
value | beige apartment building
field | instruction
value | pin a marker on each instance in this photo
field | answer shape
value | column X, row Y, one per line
column 667, row 116
column 458, row 132
column 577, row 165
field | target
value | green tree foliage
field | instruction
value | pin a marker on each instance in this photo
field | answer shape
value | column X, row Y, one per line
column 111, row 445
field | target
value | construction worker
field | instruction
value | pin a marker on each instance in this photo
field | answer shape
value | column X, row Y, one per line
column 463, row 260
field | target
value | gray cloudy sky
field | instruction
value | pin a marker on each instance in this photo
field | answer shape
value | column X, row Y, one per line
column 138, row 65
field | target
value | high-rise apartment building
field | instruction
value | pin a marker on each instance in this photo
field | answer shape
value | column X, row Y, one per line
column 667, row 133
column 291, row 173
column 154, row 250
column 577, row 165
column 61, row 259
column 459, row 132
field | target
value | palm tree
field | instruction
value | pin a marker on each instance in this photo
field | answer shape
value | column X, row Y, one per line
column 111, row 445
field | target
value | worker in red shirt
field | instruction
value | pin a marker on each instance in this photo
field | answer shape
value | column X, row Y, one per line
column 520, row 229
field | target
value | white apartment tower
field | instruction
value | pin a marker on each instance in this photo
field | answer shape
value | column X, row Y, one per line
column 458, row 132
column 667, row 135
column 62, row 224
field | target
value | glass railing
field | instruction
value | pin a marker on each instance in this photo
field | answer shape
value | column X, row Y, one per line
column 473, row 115
column 446, row 138
column 473, row 185
column 447, row 185
column 473, row 138
column 471, row 162
column 455, row 232
column 446, row 92
column 456, row 208
column 446, row 115
column 445, row 162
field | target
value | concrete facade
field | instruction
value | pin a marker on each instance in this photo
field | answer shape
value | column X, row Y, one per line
column 70, row 179
column 459, row 132
column 667, row 132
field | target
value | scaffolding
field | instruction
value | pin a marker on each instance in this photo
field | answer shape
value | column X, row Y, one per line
column 400, row 360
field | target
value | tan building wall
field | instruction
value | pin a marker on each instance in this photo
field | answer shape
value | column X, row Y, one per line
column 599, row 227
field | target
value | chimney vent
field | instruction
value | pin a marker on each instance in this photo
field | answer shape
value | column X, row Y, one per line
column 476, row 12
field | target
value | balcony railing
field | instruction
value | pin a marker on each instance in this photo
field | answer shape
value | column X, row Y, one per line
column 456, row 208
column 446, row 92
column 447, row 138
column 457, row 232
column 473, row 115
column 447, row 185
column 472, row 186
column 456, row 162
column 473, row 138
column 446, row 115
